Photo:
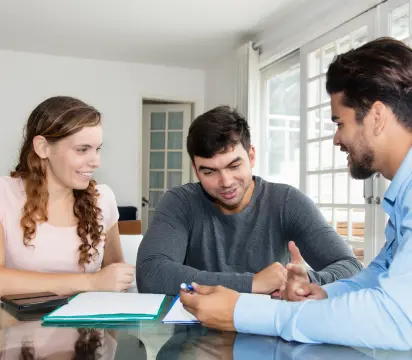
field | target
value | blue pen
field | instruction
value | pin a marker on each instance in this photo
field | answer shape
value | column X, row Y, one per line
column 186, row 287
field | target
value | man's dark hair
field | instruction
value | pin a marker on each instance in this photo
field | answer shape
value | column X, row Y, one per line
column 215, row 131
column 380, row 70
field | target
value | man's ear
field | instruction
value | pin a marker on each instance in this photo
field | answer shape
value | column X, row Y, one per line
column 41, row 147
column 252, row 156
column 380, row 113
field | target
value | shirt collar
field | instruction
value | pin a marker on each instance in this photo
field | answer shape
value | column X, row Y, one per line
column 400, row 177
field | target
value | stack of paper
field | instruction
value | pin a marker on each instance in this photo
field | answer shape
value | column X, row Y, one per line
column 107, row 307
column 178, row 315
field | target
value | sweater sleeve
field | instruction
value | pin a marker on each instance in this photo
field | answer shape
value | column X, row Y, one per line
column 160, row 261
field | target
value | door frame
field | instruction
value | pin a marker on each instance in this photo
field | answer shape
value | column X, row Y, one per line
column 196, row 109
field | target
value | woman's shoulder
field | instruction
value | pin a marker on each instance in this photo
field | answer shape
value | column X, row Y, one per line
column 11, row 185
column 106, row 194
column 108, row 205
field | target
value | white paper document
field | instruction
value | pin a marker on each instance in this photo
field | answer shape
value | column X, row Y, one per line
column 178, row 314
column 110, row 303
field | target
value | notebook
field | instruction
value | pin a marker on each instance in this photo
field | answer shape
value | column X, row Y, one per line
column 178, row 315
column 107, row 307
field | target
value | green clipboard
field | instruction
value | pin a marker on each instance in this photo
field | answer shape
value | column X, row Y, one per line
column 116, row 319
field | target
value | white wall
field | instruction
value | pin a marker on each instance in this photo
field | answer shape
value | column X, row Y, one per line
column 115, row 89
column 221, row 82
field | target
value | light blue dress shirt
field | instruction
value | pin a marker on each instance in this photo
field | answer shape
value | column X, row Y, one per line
column 372, row 309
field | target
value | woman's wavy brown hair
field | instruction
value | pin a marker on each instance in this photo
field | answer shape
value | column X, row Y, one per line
column 55, row 119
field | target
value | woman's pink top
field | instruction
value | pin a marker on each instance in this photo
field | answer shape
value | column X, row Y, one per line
column 55, row 248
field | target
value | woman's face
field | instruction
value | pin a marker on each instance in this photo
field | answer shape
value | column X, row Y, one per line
column 72, row 160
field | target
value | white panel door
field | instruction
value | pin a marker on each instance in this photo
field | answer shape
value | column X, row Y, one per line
column 165, row 160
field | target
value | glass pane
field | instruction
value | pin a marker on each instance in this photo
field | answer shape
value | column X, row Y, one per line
column 157, row 180
column 313, row 187
column 313, row 124
column 157, row 140
column 174, row 178
column 360, row 37
column 400, row 22
column 284, row 92
column 329, row 53
column 277, row 122
column 328, row 127
column 294, row 124
column 325, row 98
column 358, row 224
column 341, row 188
column 175, row 120
column 341, row 218
column 326, row 189
column 157, row 160
column 344, row 44
column 313, row 93
column 158, row 121
column 294, row 148
column 282, row 160
column 359, row 253
column 277, row 149
column 290, row 175
column 356, row 192
column 174, row 160
column 327, row 213
column 314, row 63
column 154, row 197
column 313, row 156
column 327, row 154
column 175, row 140
column 341, row 161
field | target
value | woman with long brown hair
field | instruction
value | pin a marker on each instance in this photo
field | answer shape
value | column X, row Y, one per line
column 58, row 229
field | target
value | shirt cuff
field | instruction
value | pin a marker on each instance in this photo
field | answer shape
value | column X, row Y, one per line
column 255, row 314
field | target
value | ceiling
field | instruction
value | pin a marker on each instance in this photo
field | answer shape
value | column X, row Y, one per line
column 185, row 33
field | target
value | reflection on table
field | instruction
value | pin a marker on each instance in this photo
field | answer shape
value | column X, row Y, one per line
column 29, row 340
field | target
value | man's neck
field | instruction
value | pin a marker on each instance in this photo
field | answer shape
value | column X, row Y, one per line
column 393, row 159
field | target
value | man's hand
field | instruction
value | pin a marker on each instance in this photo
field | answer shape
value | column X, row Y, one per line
column 311, row 291
column 270, row 280
column 213, row 306
column 297, row 275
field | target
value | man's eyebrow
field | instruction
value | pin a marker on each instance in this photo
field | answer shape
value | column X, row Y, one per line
column 335, row 118
column 235, row 160
column 202, row 167
column 88, row 145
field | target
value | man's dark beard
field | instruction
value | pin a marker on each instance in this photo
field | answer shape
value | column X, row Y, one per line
column 232, row 207
column 362, row 169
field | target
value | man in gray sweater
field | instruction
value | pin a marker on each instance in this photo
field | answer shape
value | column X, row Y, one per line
column 233, row 228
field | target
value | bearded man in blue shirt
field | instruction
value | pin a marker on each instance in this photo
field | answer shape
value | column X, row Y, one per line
column 371, row 100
